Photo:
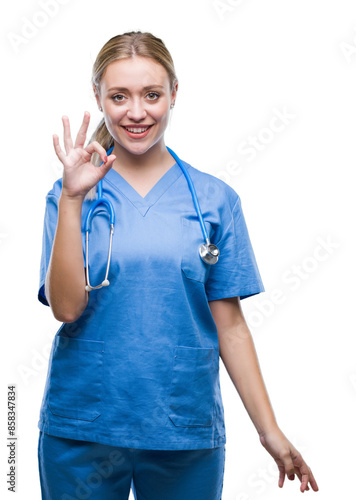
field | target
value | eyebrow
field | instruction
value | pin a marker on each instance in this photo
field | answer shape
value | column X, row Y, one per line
column 144, row 88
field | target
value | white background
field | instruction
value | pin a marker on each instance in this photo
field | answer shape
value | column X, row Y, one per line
column 238, row 63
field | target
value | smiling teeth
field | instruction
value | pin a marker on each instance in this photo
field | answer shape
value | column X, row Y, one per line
column 137, row 130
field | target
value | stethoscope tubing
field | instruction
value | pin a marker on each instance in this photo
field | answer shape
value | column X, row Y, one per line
column 208, row 252
column 193, row 192
column 108, row 204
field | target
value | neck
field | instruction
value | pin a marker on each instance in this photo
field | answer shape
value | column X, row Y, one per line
column 155, row 158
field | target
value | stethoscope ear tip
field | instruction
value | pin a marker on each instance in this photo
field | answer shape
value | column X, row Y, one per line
column 89, row 288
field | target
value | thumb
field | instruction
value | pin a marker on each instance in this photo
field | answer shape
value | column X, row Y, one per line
column 106, row 166
column 288, row 466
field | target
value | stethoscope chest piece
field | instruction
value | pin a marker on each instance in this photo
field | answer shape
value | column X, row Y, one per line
column 209, row 253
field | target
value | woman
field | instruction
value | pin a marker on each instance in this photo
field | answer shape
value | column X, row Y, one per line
column 132, row 396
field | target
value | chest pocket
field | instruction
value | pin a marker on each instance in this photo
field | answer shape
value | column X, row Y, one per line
column 76, row 378
column 192, row 264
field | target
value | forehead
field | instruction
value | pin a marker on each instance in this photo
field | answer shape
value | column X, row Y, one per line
column 134, row 73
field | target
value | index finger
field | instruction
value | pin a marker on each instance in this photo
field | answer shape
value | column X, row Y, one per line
column 306, row 473
column 308, row 477
column 98, row 148
column 80, row 139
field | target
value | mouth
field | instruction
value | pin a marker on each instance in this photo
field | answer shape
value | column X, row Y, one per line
column 137, row 131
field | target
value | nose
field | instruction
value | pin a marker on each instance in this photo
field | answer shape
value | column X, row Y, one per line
column 136, row 110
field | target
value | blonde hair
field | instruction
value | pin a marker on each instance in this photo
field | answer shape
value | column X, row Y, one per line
column 130, row 44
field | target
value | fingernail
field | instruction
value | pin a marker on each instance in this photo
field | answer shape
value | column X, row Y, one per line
column 105, row 159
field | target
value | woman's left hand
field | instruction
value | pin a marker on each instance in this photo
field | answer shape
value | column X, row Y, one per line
column 288, row 459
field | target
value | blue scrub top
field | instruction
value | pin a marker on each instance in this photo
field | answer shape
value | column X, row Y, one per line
column 140, row 367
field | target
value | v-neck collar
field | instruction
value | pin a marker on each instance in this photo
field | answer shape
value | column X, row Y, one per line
column 143, row 204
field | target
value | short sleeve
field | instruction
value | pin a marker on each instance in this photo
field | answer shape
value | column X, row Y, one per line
column 236, row 273
column 49, row 229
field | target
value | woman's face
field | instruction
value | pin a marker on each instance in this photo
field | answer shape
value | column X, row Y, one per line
column 135, row 93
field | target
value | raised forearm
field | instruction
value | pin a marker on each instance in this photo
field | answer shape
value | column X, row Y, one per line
column 65, row 280
column 239, row 356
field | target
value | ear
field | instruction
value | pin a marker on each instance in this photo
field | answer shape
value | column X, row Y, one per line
column 174, row 93
column 97, row 97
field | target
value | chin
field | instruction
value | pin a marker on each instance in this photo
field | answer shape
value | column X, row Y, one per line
column 137, row 149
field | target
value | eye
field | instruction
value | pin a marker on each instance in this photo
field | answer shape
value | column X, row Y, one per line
column 154, row 94
column 114, row 97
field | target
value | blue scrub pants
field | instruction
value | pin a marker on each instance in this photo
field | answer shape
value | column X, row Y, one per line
column 72, row 469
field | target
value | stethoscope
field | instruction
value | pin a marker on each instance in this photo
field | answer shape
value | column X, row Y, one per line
column 207, row 251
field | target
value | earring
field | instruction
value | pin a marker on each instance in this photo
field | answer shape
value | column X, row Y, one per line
column 101, row 109
column 172, row 105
